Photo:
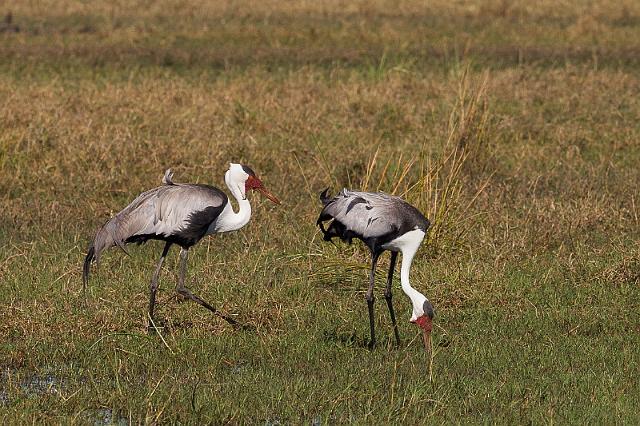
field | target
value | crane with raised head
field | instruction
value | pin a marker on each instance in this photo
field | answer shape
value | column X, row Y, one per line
column 181, row 214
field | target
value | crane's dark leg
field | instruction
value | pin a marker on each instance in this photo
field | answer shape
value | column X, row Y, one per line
column 388, row 296
column 154, row 281
column 370, row 298
column 181, row 289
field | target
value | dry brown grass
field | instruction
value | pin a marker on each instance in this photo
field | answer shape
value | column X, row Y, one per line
column 102, row 144
column 231, row 34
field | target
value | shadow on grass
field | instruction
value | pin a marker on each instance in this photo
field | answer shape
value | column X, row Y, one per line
column 350, row 340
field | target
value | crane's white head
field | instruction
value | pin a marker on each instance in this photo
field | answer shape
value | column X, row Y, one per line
column 240, row 179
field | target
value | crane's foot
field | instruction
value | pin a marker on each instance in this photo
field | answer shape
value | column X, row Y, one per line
column 155, row 326
column 244, row 327
column 187, row 294
column 180, row 298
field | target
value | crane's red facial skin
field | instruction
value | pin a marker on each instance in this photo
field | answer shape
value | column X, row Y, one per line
column 256, row 184
column 426, row 324
column 252, row 183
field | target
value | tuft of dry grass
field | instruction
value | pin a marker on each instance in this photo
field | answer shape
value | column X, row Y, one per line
column 434, row 180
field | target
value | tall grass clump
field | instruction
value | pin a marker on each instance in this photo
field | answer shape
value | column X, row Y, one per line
column 446, row 178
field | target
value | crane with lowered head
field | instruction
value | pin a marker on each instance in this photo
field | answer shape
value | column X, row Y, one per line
column 382, row 222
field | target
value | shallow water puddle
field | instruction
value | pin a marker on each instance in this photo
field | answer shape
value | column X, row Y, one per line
column 32, row 386
column 105, row 416
column 49, row 383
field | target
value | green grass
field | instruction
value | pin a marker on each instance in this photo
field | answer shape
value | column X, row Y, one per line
column 533, row 263
column 549, row 349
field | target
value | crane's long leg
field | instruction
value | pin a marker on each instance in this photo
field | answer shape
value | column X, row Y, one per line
column 154, row 281
column 181, row 289
column 370, row 298
column 388, row 296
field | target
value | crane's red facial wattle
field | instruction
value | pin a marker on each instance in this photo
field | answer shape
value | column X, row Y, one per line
column 256, row 184
column 426, row 324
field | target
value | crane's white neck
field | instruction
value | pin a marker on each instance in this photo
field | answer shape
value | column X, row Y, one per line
column 408, row 244
column 228, row 219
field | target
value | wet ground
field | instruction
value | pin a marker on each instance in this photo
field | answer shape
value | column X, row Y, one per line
column 37, row 384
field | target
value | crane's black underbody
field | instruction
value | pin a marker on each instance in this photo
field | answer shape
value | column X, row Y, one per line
column 197, row 225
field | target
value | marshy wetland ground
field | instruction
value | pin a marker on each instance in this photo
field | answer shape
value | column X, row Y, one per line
column 514, row 125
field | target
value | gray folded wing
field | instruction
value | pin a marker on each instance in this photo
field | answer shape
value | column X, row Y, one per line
column 367, row 214
column 161, row 211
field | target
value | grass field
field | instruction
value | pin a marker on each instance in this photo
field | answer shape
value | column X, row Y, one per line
column 515, row 126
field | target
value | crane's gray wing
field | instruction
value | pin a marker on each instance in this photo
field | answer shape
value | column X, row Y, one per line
column 364, row 214
column 374, row 217
column 172, row 210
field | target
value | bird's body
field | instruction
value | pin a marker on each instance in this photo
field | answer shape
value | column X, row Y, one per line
column 174, row 212
column 382, row 222
column 375, row 218
column 179, row 214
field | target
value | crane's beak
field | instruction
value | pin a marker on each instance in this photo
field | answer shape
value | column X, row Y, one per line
column 267, row 194
column 426, row 324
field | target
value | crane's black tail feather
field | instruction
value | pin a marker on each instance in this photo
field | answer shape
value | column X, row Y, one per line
column 87, row 267
column 324, row 196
